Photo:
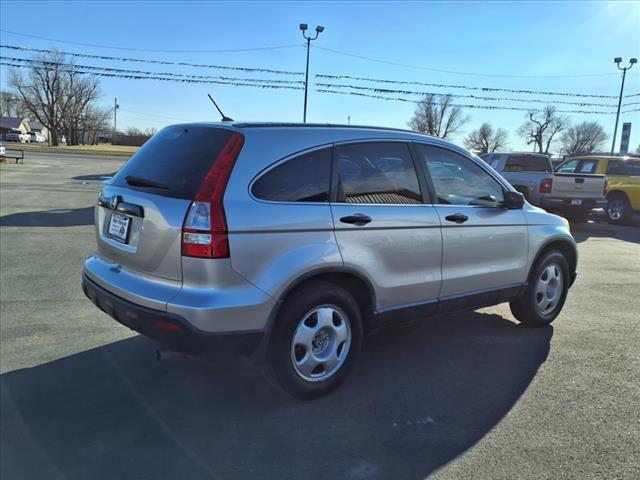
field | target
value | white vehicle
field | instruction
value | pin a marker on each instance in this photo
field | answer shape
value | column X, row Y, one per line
column 37, row 137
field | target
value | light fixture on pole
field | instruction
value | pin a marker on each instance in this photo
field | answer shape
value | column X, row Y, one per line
column 319, row 30
column 617, row 61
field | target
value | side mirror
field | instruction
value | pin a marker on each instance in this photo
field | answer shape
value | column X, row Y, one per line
column 513, row 200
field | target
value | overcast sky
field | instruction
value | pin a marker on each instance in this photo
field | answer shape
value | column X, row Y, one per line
column 545, row 46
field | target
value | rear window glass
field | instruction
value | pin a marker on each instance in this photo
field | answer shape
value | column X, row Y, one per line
column 301, row 179
column 176, row 159
column 527, row 163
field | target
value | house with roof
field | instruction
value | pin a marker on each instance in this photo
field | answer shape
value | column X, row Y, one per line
column 13, row 123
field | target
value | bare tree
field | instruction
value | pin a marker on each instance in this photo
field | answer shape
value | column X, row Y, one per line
column 542, row 127
column 583, row 139
column 62, row 98
column 438, row 116
column 40, row 91
column 78, row 96
column 485, row 139
column 11, row 105
column 94, row 122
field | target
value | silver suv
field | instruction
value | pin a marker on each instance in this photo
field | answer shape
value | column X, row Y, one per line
column 291, row 242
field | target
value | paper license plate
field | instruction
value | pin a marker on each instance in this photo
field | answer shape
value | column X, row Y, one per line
column 119, row 227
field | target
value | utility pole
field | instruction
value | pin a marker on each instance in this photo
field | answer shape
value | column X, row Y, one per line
column 319, row 30
column 617, row 61
column 115, row 118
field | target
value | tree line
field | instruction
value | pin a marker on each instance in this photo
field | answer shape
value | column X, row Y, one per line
column 60, row 98
column 437, row 115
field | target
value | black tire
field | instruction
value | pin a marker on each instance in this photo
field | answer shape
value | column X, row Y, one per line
column 280, row 354
column 527, row 308
column 618, row 209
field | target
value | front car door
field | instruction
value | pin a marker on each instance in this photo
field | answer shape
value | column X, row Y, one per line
column 484, row 245
column 384, row 228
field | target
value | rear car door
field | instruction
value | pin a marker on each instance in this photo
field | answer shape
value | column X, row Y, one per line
column 484, row 245
column 383, row 227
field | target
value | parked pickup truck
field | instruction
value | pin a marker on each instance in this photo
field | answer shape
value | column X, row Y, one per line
column 532, row 174
column 623, row 175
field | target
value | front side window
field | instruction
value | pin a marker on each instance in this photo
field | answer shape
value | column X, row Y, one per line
column 377, row 173
column 301, row 179
column 458, row 180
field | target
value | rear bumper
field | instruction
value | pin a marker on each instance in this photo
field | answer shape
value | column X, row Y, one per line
column 169, row 329
column 565, row 203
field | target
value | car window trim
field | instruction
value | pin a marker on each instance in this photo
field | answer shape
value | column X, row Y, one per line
column 335, row 175
column 282, row 160
column 483, row 166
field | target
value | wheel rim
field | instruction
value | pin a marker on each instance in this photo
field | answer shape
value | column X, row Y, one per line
column 615, row 209
column 320, row 344
column 549, row 289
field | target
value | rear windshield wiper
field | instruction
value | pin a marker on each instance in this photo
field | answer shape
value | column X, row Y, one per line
column 144, row 182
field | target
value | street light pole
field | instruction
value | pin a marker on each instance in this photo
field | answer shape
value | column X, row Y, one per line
column 319, row 30
column 617, row 61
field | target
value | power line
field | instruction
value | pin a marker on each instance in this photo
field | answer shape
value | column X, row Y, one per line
column 92, row 45
column 320, row 76
column 146, row 77
column 168, row 74
column 159, row 62
column 475, row 74
column 74, row 69
column 464, row 87
column 475, row 97
column 470, row 106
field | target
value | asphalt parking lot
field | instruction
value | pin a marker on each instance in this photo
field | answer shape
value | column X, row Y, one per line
column 470, row 395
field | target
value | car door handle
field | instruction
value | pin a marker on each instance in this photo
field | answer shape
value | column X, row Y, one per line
column 457, row 217
column 357, row 219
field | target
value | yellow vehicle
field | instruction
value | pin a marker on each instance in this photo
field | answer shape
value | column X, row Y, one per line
column 623, row 174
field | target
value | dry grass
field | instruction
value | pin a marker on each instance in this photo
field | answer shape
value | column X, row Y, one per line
column 102, row 149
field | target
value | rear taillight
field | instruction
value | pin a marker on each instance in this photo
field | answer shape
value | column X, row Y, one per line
column 605, row 190
column 204, row 233
column 545, row 185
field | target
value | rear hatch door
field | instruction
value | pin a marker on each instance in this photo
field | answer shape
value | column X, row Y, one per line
column 141, row 211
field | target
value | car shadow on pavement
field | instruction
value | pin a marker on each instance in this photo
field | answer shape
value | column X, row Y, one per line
column 626, row 233
column 62, row 217
column 422, row 395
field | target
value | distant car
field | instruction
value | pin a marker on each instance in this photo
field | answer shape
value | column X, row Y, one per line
column 37, row 137
column 572, row 194
column 15, row 135
column 3, row 151
column 623, row 174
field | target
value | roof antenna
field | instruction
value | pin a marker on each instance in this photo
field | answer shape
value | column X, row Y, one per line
column 224, row 117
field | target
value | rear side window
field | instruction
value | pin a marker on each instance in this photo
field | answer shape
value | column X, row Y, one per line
column 175, row 160
column 624, row 167
column 377, row 173
column 300, row 179
column 527, row 163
